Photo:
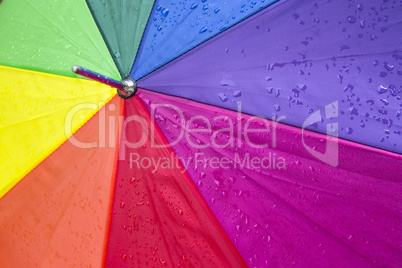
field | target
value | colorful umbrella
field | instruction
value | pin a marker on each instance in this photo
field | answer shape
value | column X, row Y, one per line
column 248, row 133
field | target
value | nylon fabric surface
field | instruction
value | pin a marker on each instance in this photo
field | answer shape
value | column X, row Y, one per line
column 51, row 36
column 279, row 203
column 295, row 58
column 122, row 23
column 38, row 113
column 159, row 218
column 58, row 215
column 176, row 27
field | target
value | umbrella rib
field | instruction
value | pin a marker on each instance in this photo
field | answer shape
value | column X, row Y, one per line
column 334, row 58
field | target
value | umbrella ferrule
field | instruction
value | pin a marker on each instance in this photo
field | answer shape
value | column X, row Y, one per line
column 129, row 88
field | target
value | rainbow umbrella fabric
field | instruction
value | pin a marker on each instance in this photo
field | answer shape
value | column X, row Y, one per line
column 263, row 134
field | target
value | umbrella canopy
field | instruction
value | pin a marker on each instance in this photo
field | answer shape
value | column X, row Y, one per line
column 263, row 133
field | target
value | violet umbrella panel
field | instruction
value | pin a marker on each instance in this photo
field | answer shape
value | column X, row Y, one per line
column 263, row 133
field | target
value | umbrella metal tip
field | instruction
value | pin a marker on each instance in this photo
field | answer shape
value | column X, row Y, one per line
column 76, row 69
column 129, row 88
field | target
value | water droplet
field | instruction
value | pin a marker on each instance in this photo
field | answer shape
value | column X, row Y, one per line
column 392, row 90
column 388, row 66
column 232, row 179
column 301, row 87
column 223, row 97
column 203, row 30
column 340, row 78
column 354, row 111
column 351, row 19
column 349, row 87
column 165, row 12
column 312, row 170
column 237, row 93
column 194, row 6
column 382, row 89
column 225, row 194
column 278, row 92
column 385, row 101
column 383, row 74
column 349, row 130
column 222, row 28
